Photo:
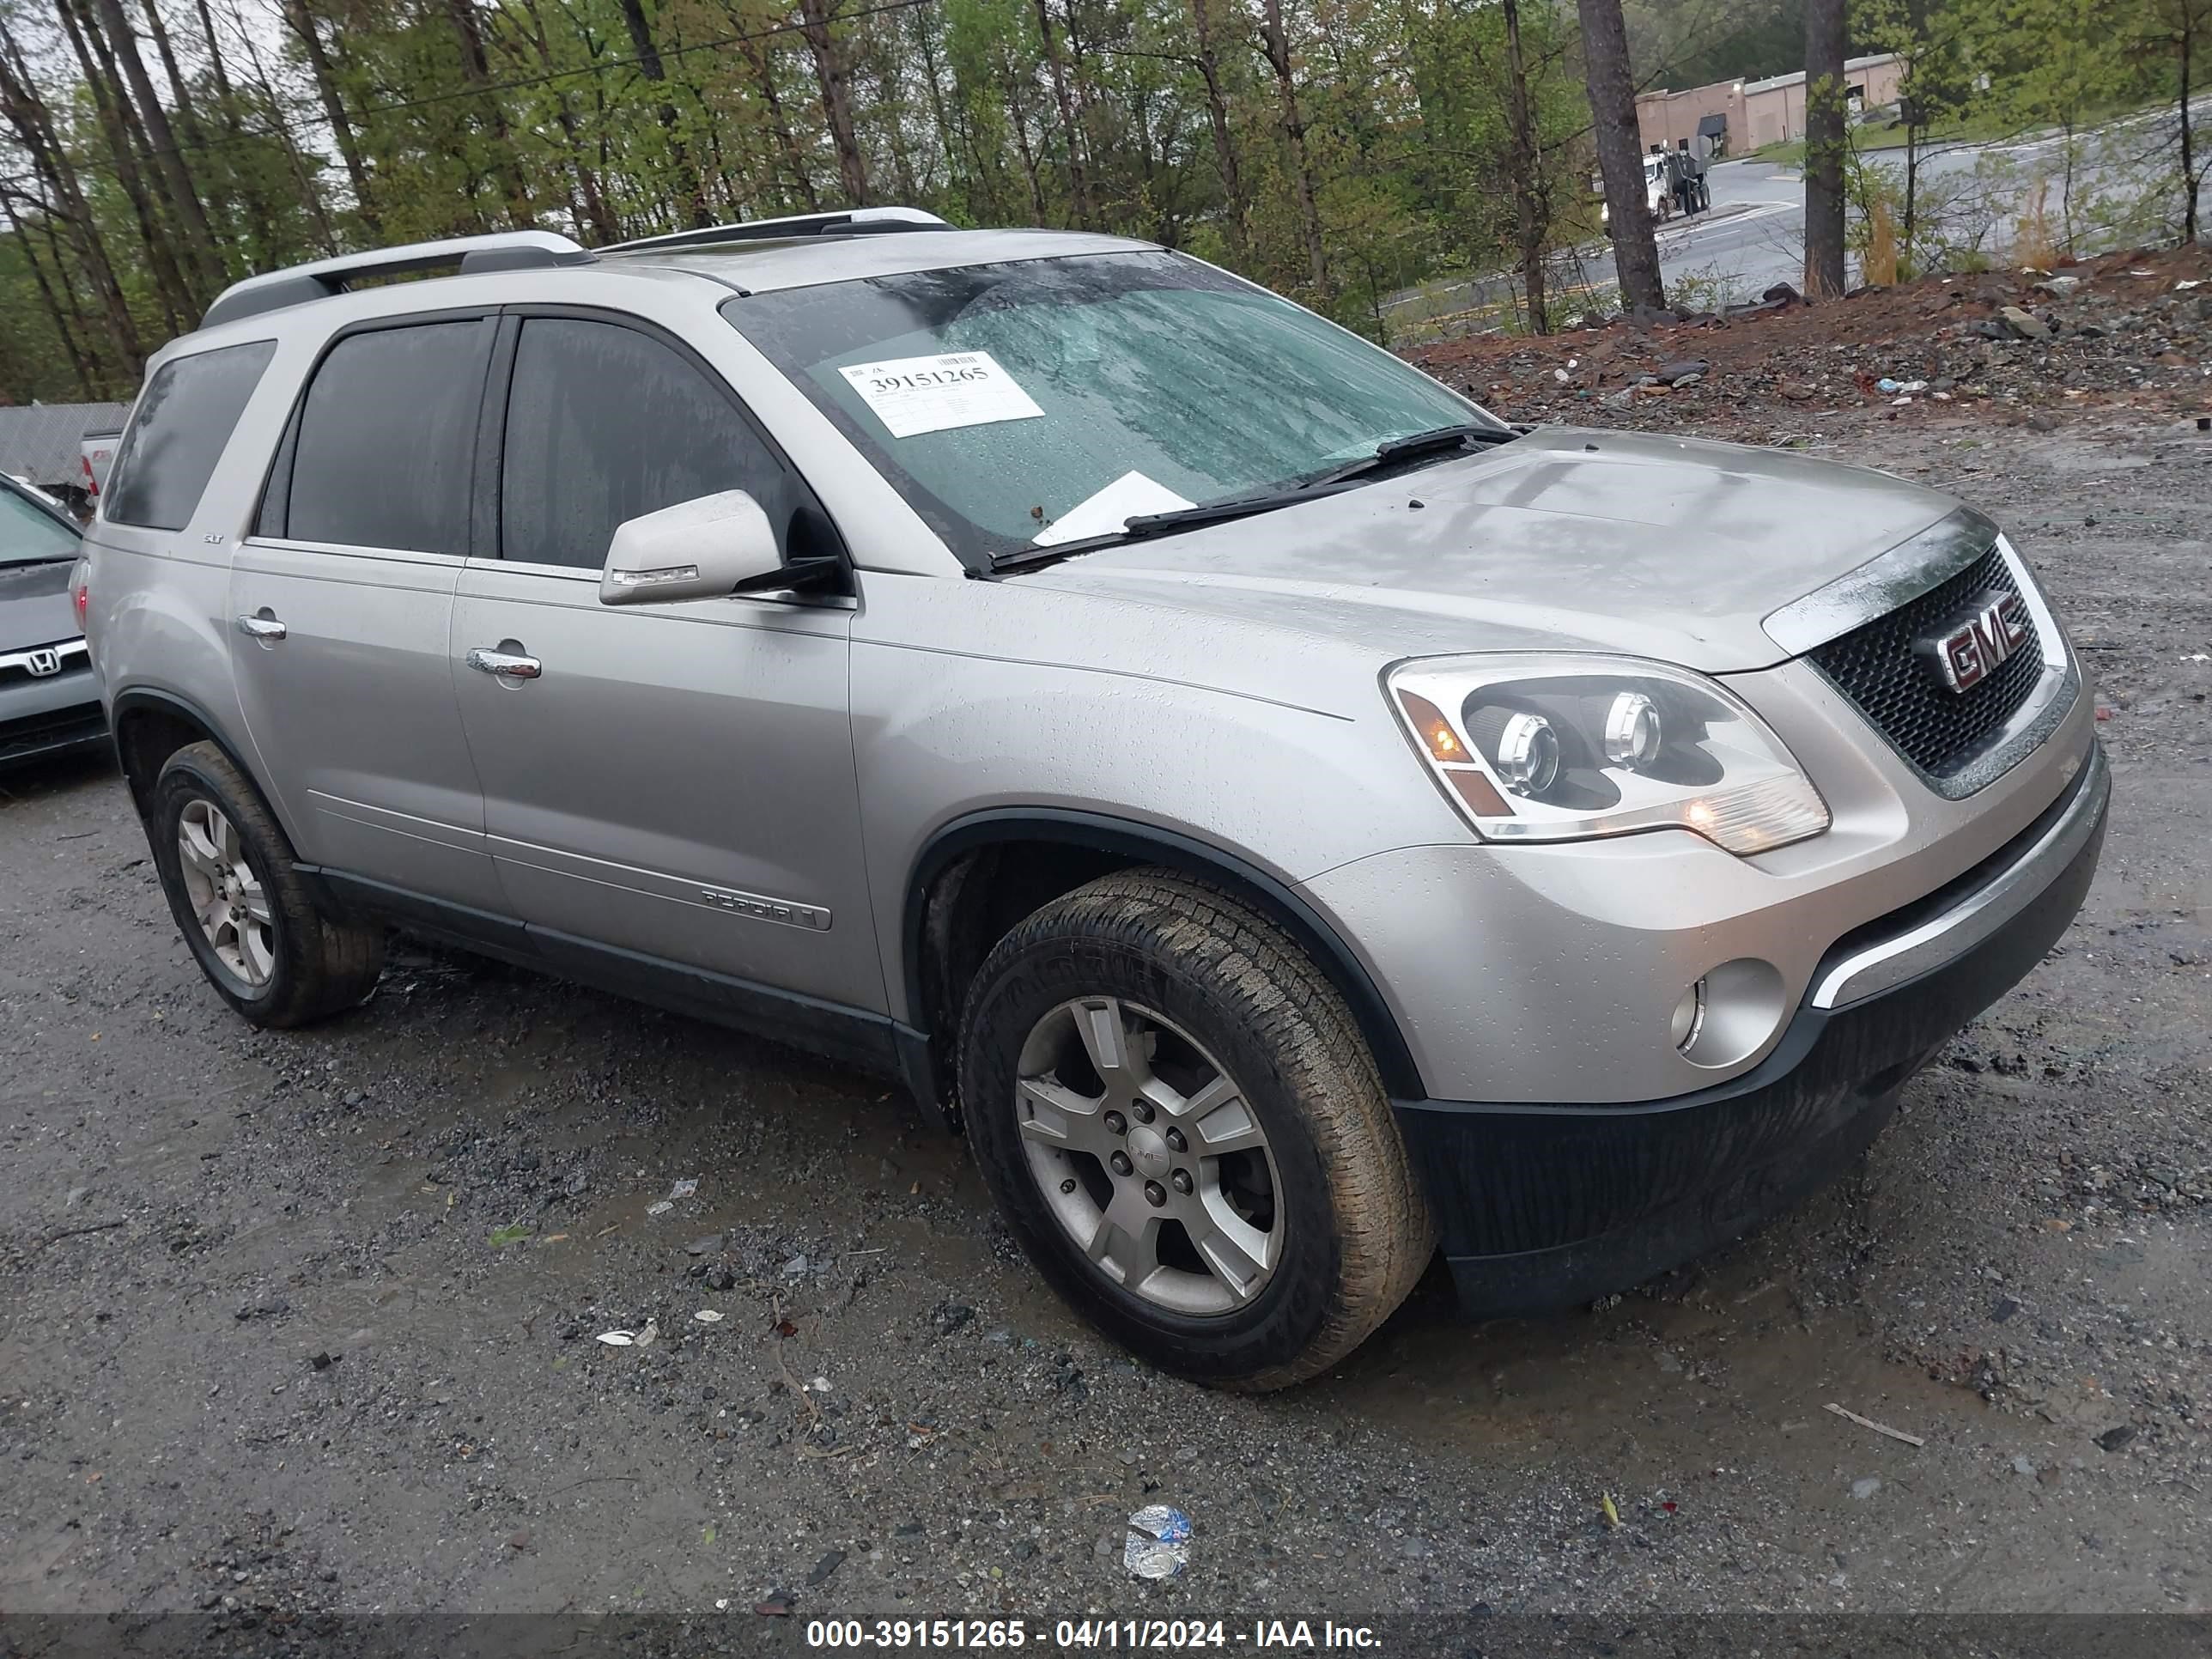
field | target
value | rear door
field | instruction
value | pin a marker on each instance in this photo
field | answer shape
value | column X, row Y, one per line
column 676, row 781
column 342, row 609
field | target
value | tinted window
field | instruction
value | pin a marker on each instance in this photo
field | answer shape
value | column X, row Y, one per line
column 604, row 423
column 177, row 434
column 386, row 439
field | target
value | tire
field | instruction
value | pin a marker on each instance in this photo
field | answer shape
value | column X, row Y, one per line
column 1200, row 987
column 274, row 954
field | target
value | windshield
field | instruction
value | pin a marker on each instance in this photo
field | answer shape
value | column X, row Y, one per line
column 1048, row 400
column 29, row 534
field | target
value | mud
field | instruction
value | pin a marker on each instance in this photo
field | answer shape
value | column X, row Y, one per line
column 303, row 1323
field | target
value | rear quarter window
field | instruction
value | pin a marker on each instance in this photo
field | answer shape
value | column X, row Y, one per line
column 177, row 434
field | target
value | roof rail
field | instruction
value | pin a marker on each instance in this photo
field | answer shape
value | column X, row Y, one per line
column 507, row 250
column 849, row 221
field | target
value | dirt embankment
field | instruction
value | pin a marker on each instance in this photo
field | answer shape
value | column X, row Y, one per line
column 2018, row 348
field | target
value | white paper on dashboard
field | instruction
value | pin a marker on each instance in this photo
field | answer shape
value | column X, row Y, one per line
column 914, row 395
column 1129, row 496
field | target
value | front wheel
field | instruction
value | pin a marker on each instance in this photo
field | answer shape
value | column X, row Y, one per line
column 1186, row 1133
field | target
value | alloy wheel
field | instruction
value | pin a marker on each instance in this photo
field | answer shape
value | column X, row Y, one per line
column 1149, row 1156
column 234, row 911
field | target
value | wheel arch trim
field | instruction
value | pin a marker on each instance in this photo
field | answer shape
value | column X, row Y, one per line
column 1150, row 844
column 136, row 700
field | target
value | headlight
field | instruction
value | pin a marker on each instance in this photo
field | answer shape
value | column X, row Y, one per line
column 1550, row 749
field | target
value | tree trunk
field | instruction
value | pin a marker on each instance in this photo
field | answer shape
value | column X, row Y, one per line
column 1224, row 139
column 201, row 254
column 1275, row 37
column 309, row 191
column 476, row 67
column 761, row 58
column 1912, row 187
column 188, row 120
column 830, row 73
column 2186, row 45
column 940, row 113
column 254, row 206
column 1079, row 182
column 35, row 128
column 170, row 286
column 691, row 194
column 596, row 220
column 1823, row 149
column 1620, row 154
column 1022, row 145
column 302, row 24
column 1524, row 161
column 46, row 293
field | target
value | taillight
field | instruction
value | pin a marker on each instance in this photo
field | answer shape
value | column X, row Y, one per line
column 81, row 591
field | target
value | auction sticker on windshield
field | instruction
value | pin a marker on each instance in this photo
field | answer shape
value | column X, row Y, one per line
column 914, row 395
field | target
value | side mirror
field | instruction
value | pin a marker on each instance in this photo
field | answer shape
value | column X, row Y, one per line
column 706, row 549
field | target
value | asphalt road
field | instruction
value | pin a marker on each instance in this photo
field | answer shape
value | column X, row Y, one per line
column 302, row 1324
column 1970, row 185
column 1755, row 234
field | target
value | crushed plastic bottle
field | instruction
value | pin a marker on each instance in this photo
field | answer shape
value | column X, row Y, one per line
column 1157, row 1543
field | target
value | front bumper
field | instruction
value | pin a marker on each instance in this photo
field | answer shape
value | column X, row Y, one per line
column 1542, row 1207
column 41, row 719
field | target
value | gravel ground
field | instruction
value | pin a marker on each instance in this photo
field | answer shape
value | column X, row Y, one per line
column 304, row 1323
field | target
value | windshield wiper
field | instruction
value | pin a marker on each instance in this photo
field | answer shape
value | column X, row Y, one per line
column 1443, row 440
column 1418, row 446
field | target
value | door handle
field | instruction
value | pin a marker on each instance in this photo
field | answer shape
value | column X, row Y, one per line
column 507, row 664
column 264, row 627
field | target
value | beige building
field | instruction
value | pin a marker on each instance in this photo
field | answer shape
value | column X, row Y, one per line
column 1737, row 116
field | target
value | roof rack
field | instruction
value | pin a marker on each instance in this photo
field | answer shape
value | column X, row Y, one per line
column 509, row 250
column 850, row 222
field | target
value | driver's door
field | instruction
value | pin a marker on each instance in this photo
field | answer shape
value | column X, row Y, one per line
column 673, row 783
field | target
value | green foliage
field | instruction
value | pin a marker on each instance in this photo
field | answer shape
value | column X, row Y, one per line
column 308, row 126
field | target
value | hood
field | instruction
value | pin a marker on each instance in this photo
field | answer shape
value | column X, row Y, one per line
column 34, row 606
column 1670, row 548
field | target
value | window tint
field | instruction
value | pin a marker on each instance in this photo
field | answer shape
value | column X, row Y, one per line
column 177, row 434
column 604, row 423
column 387, row 440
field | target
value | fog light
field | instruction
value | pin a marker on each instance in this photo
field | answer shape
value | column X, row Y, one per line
column 1689, row 1016
column 1730, row 1014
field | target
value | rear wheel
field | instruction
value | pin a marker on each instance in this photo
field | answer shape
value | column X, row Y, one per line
column 252, row 923
column 1186, row 1133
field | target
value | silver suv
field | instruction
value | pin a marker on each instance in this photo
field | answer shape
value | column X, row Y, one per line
column 1289, row 819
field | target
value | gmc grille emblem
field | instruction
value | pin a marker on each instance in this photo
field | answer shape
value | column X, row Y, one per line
column 1972, row 644
column 43, row 663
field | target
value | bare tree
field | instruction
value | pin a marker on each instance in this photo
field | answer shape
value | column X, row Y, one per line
column 1275, row 36
column 34, row 124
column 1079, row 183
column 1619, row 153
column 124, row 147
column 1224, row 139
column 1524, row 160
column 168, row 155
column 1823, row 149
column 649, row 65
column 302, row 21
column 834, row 79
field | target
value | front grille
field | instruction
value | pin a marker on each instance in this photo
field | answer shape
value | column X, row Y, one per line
column 1937, row 729
column 71, row 657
